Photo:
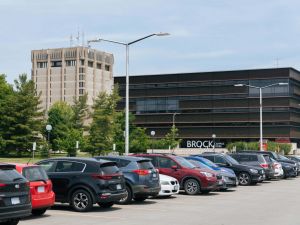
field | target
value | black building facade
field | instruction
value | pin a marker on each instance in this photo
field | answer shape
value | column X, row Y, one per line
column 208, row 103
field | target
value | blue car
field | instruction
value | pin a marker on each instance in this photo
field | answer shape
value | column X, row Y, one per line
column 228, row 176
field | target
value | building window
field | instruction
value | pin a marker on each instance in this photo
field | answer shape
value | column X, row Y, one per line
column 158, row 105
column 81, row 70
column 81, row 91
column 90, row 64
column 81, row 84
column 41, row 64
column 107, row 67
column 99, row 66
column 81, row 77
column 56, row 64
column 70, row 62
column 82, row 62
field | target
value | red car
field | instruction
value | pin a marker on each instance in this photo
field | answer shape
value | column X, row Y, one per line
column 42, row 196
column 192, row 180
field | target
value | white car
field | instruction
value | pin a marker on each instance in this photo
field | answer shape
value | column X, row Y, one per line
column 277, row 169
column 169, row 185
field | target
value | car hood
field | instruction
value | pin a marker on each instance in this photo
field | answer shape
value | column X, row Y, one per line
column 227, row 173
column 286, row 161
column 163, row 177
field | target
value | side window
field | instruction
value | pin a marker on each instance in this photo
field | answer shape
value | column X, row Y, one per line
column 244, row 158
column 66, row 166
column 154, row 160
column 123, row 163
column 219, row 159
column 48, row 166
column 211, row 158
column 166, row 162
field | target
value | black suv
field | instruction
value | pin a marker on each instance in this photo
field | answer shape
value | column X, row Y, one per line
column 141, row 178
column 83, row 182
column 246, row 174
column 259, row 160
column 15, row 200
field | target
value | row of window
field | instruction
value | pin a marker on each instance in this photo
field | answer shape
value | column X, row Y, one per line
column 70, row 63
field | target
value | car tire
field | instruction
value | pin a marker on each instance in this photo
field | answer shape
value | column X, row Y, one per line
column 126, row 200
column 81, row 201
column 106, row 204
column 205, row 191
column 140, row 199
column 191, row 186
column 244, row 179
column 11, row 222
column 38, row 212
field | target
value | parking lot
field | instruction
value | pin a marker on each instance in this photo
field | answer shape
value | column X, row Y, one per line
column 270, row 203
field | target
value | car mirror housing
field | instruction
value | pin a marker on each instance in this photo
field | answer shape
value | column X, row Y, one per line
column 174, row 167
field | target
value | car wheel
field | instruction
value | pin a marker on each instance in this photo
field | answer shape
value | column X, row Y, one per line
column 81, row 201
column 127, row 199
column 11, row 222
column 140, row 199
column 191, row 187
column 38, row 212
column 205, row 191
column 106, row 204
column 244, row 179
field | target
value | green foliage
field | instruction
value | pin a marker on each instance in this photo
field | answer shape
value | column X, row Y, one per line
column 171, row 139
column 44, row 150
column 81, row 112
column 20, row 115
column 68, row 143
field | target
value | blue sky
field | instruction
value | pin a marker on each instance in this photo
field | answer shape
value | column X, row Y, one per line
column 206, row 35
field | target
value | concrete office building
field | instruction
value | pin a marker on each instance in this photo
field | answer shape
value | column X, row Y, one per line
column 64, row 73
column 208, row 103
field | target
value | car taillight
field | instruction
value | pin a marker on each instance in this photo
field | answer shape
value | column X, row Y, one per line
column 266, row 166
column 141, row 172
column 2, row 185
column 28, row 184
column 101, row 177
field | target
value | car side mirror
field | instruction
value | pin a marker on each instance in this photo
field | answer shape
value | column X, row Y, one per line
column 174, row 167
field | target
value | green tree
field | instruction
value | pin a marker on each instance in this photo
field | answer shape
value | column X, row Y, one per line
column 60, row 117
column 81, row 112
column 103, row 126
column 68, row 143
column 23, row 117
column 171, row 139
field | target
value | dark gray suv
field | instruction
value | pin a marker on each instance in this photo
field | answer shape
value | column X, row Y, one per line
column 15, row 200
column 141, row 178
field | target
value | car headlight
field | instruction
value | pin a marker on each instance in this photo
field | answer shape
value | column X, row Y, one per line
column 253, row 171
column 164, row 183
column 207, row 174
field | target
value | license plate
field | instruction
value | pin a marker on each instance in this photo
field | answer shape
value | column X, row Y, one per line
column 41, row 189
column 119, row 186
column 15, row 201
column 154, row 175
column 220, row 182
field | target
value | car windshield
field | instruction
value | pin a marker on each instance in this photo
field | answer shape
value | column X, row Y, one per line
column 35, row 173
column 208, row 162
column 199, row 164
column 183, row 162
column 231, row 160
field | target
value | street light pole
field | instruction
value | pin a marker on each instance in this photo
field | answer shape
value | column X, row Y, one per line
column 127, row 79
column 260, row 107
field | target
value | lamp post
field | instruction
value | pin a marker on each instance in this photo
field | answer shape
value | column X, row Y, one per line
column 48, row 129
column 152, row 134
column 214, row 141
column 127, row 79
column 260, row 105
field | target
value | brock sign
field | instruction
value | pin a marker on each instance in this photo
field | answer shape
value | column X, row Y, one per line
column 194, row 143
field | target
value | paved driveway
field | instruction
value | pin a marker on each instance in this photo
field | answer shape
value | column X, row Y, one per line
column 270, row 203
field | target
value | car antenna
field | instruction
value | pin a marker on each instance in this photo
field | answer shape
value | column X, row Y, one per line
column 28, row 161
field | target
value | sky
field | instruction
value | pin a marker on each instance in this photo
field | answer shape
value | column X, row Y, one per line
column 205, row 35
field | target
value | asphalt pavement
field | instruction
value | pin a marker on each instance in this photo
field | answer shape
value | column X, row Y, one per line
column 270, row 203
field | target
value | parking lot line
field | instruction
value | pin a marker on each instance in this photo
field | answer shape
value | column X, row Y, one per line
column 142, row 208
column 85, row 215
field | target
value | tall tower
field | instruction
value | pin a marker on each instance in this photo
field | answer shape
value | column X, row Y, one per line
column 64, row 73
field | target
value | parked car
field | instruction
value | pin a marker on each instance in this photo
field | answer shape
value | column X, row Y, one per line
column 141, row 178
column 246, row 174
column 278, row 171
column 296, row 159
column 169, row 185
column 191, row 179
column 42, row 195
column 14, row 195
column 258, row 160
column 288, row 160
column 83, row 182
column 286, row 164
column 229, row 178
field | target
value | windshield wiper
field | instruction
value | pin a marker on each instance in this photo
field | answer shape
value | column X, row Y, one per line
column 39, row 180
column 18, row 178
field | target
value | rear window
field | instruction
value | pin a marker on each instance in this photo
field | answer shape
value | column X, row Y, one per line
column 267, row 158
column 145, row 165
column 68, row 166
column 9, row 175
column 109, row 168
column 35, row 173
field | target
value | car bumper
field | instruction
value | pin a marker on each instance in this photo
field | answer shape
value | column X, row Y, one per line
column 43, row 201
column 109, row 197
column 15, row 212
column 258, row 177
column 143, row 190
column 211, row 186
column 167, row 190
